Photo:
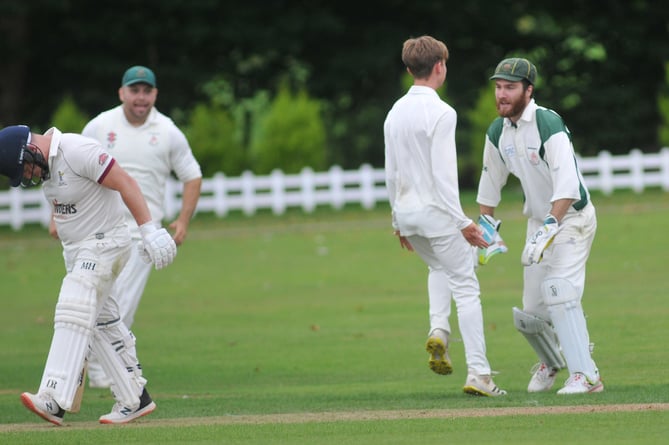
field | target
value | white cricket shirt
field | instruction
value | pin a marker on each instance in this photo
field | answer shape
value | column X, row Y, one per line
column 81, row 206
column 149, row 153
column 538, row 151
column 421, row 165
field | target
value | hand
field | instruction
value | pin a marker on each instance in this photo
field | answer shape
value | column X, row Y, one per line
column 474, row 236
column 540, row 241
column 490, row 227
column 404, row 242
column 158, row 244
column 178, row 231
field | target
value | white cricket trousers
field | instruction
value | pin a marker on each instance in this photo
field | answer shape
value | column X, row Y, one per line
column 452, row 275
column 565, row 258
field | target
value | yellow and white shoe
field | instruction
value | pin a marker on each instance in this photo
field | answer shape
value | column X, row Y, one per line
column 437, row 347
column 482, row 385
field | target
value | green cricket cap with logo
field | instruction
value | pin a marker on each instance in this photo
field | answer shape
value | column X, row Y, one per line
column 138, row 74
column 515, row 69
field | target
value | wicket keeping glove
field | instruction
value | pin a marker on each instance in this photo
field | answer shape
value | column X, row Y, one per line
column 158, row 244
column 537, row 244
column 496, row 244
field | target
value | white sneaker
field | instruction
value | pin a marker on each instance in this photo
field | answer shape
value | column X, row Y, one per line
column 482, row 385
column 578, row 383
column 437, row 347
column 122, row 414
column 543, row 378
column 44, row 406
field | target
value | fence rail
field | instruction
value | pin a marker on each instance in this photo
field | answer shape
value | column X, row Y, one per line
column 336, row 188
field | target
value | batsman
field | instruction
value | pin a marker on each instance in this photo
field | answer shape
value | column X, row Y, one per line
column 533, row 143
column 87, row 191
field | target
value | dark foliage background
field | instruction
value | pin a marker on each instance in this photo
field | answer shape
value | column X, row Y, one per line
column 601, row 64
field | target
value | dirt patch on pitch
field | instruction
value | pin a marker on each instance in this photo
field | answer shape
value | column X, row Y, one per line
column 353, row 416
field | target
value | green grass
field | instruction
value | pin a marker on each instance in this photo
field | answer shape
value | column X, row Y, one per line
column 324, row 313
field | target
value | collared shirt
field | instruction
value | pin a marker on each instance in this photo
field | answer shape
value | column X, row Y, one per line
column 539, row 152
column 81, row 206
column 421, row 165
column 149, row 153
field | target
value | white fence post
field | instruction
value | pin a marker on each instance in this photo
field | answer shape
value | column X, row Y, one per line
column 605, row 172
column 636, row 170
column 248, row 194
column 308, row 187
column 278, row 192
column 335, row 187
column 664, row 169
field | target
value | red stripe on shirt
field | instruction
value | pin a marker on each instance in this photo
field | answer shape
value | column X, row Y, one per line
column 104, row 174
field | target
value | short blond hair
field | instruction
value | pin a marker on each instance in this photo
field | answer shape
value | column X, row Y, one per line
column 421, row 53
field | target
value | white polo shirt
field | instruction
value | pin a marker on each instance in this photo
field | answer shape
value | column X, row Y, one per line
column 81, row 206
column 149, row 153
column 538, row 151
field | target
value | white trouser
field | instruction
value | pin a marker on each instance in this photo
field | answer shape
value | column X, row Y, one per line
column 129, row 286
column 566, row 258
column 452, row 257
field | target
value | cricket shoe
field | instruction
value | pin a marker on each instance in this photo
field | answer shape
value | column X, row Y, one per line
column 437, row 347
column 543, row 378
column 482, row 385
column 44, row 406
column 122, row 414
column 578, row 383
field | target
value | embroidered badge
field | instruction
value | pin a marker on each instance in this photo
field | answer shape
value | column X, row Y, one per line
column 111, row 139
column 61, row 179
column 533, row 155
column 510, row 151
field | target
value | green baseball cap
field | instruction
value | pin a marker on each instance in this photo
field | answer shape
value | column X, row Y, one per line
column 515, row 69
column 138, row 74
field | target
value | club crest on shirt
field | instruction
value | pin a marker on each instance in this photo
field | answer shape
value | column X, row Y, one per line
column 533, row 155
column 154, row 139
column 61, row 178
column 510, row 151
column 103, row 158
column 111, row 139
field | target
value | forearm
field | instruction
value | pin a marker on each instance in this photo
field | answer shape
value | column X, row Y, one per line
column 189, row 199
column 486, row 210
column 560, row 207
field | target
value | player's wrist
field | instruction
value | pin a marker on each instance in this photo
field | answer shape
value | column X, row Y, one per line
column 550, row 219
column 148, row 228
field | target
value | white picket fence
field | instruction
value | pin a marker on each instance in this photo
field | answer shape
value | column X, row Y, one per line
column 336, row 188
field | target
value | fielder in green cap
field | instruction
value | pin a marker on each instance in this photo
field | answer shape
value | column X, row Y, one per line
column 533, row 143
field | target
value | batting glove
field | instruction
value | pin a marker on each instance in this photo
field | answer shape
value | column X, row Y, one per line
column 537, row 244
column 143, row 254
column 496, row 244
column 159, row 245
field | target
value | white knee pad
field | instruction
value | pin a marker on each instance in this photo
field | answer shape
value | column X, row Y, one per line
column 114, row 346
column 73, row 324
column 541, row 336
column 564, row 308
